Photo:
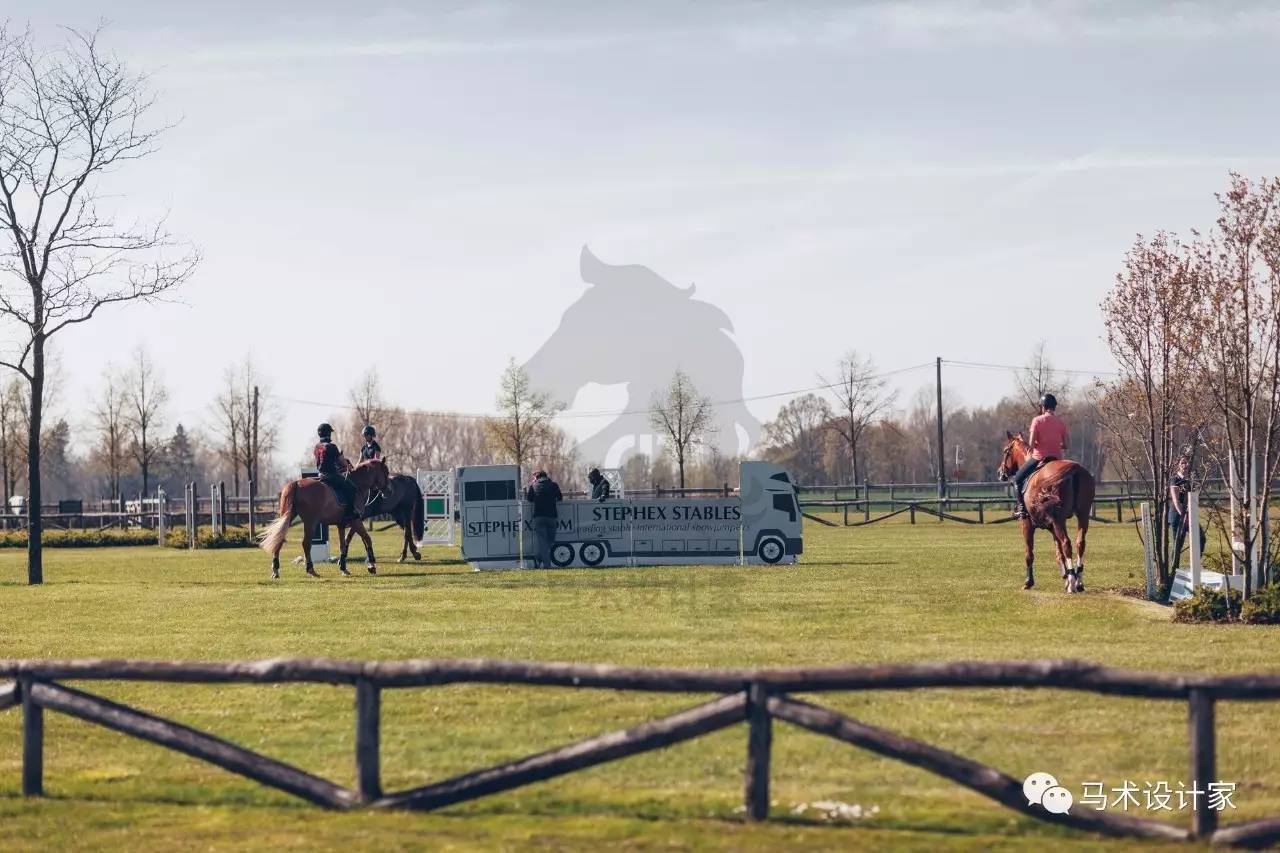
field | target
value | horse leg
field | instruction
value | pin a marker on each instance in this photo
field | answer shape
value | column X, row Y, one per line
column 306, row 548
column 1082, row 534
column 344, row 539
column 408, row 535
column 370, row 563
column 1029, row 535
column 1064, row 554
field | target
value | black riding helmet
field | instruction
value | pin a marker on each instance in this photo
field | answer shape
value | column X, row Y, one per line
column 368, row 432
column 1049, row 401
column 324, row 430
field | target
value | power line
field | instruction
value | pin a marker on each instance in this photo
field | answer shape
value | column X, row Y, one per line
column 1021, row 367
column 608, row 413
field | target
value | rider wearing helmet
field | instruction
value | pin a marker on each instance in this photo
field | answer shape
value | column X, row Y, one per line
column 332, row 467
column 370, row 449
column 1048, row 440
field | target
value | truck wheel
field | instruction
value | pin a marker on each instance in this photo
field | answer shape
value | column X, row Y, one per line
column 592, row 553
column 562, row 554
column 771, row 550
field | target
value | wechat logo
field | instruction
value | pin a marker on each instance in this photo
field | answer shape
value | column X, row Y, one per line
column 1042, row 789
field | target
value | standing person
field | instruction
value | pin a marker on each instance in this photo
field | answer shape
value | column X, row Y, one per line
column 370, row 449
column 544, row 494
column 1179, row 486
column 1048, row 440
column 332, row 467
column 600, row 488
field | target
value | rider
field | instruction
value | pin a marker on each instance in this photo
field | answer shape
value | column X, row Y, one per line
column 600, row 488
column 1048, row 440
column 371, row 449
column 332, row 467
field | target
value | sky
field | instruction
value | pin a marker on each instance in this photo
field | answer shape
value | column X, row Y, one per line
column 408, row 186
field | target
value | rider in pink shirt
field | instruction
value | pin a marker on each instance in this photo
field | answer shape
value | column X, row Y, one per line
column 1048, row 440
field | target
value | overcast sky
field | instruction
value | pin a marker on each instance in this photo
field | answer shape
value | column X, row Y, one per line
column 394, row 183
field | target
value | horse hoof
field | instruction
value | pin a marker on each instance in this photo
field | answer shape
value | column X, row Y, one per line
column 417, row 557
column 373, row 570
column 275, row 576
column 1028, row 584
column 401, row 560
column 312, row 572
column 345, row 573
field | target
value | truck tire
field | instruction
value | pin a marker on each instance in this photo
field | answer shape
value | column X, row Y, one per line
column 771, row 549
column 562, row 554
column 592, row 553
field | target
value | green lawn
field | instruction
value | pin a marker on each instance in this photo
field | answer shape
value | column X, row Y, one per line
column 887, row 592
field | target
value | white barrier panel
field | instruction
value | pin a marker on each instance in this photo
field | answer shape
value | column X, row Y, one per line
column 438, row 490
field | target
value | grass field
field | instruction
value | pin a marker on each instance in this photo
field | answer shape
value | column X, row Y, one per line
column 888, row 592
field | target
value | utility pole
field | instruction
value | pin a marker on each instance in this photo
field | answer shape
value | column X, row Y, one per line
column 253, row 438
column 942, row 459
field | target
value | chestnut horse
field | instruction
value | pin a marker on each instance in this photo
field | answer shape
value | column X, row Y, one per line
column 1054, row 492
column 315, row 503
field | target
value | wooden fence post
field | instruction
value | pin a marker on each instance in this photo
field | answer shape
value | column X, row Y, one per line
column 913, row 512
column 1119, row 510
column 846, row 515
column 222, row 510
column 1204, row 820
column 253, row 530
column 759, row 750
column 32, row 743
column 981, row 516
column 368, row 725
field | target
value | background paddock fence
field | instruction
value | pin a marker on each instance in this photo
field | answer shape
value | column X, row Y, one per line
column 755, row 697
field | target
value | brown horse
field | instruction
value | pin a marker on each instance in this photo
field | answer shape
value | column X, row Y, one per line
column 1054, row 493
column 403, row 501
column 315, row 503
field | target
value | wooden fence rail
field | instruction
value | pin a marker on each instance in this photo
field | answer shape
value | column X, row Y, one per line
column 753, row 696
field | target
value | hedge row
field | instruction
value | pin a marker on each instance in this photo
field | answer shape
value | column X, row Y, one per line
column 111, row 537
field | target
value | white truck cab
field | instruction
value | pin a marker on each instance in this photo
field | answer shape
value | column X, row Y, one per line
column 761, row 524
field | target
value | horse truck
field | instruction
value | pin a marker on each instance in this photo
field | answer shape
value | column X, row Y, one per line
column 759, row 524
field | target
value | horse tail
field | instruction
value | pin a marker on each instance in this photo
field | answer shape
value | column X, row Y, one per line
column 419, row 514
column 271, row 539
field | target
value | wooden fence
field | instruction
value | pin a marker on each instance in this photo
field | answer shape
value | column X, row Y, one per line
column 753, row 696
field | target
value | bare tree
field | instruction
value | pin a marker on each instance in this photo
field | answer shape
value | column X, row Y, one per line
column 525, row 418
column 681, row 416
column 68, row 116
column 109, row 423
column 145, row 399
column 229, row 420
column 245, row 419
column 1038, row 378
column 795, row 438
column 861, row 397
column 12, row 437
column 1149, row 411
column 1237, row 276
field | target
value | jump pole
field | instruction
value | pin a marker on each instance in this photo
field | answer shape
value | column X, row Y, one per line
column 1193, row 530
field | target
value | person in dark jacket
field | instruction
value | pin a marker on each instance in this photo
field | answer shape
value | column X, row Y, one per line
column 1179, row 486
column 544, row 494
column 332, row 467
column 600, row 488
column 370, row 449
